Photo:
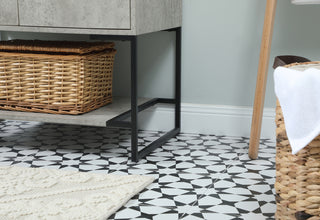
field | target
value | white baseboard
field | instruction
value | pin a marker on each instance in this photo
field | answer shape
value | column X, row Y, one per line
column 209, row 119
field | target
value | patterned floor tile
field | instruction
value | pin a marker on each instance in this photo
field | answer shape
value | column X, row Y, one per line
column 197, row 176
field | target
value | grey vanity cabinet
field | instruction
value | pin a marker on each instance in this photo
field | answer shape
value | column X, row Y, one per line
column 8, row 12
column 103, row 20
column 113, row 14
column 108, row 17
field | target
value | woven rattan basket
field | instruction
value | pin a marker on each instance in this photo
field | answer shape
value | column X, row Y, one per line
column 297, row 176
column 55, row 77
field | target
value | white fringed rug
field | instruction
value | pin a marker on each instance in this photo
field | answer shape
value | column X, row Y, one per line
column 37, row 193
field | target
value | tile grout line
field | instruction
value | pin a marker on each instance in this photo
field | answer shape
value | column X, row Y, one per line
column 212, row 185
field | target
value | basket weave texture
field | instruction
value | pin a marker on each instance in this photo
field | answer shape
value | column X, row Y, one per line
column 55, row 77
column 297, row 176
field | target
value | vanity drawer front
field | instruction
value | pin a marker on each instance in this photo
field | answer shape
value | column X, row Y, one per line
column 8, row 12
column 105, row 14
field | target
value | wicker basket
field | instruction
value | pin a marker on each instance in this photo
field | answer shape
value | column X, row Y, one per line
column 297, row 176
column 55, row 77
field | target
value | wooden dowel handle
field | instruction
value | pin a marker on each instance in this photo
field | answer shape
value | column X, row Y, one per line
column 262, row 78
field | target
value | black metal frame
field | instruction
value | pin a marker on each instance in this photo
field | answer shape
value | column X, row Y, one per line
column 120, row 120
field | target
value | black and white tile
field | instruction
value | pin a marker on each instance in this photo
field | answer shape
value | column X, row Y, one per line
column 197, row 176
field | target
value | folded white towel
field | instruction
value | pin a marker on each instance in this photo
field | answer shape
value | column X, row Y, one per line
column 299, row 95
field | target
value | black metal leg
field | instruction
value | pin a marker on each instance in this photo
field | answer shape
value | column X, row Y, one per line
column 134, row 101
column 177, row 101
column 119, row 121
column 178, row 80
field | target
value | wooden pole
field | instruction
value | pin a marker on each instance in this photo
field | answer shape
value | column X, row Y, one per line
column 262, row 78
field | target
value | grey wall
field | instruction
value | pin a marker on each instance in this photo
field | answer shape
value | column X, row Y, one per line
column 221, row 43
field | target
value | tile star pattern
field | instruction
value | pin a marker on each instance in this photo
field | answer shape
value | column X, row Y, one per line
column 197, row 176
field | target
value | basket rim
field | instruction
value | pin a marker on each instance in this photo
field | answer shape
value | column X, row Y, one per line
column 56, row 56
column 301, row 64
column 39, row 46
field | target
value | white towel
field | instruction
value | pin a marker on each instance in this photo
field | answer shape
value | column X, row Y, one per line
column 299, row 95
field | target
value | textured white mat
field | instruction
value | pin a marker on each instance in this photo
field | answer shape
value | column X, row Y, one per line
column 36, row 193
